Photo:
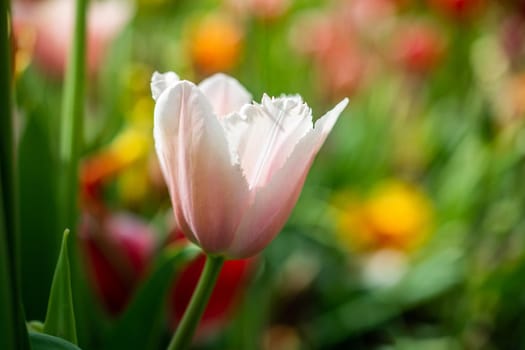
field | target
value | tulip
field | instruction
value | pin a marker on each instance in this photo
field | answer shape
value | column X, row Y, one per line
column 234, row 169
column 419, row 48
column 52, row 22
column 117, row 251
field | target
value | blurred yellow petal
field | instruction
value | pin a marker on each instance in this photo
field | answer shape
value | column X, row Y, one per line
column 133, row 184
column 130, row 146
column 396, row 215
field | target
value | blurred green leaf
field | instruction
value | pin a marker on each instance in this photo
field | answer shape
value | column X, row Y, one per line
column 425, row 280
column 13, row 312
column 39, row 234
column 7, row 338
column 35, row 326
column 40, row 341
column 132, row 331
column 443, row 343
column 60, row 318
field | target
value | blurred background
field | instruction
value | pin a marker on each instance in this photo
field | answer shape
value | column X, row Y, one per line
column 409, row 233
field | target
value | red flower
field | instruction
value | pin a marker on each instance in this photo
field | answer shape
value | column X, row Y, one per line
column 117, row 252
column 458, row 9
column 419, row 48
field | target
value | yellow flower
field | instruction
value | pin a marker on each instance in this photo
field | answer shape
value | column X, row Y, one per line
column 128, row 147
column 395, row 215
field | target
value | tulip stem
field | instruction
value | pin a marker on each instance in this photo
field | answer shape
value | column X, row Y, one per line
column 184, row 333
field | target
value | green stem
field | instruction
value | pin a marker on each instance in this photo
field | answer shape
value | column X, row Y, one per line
column 184, row 333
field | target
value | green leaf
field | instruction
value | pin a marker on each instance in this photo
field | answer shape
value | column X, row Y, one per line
column 60, row 318
column 39, row 234
column 426, row 279
column 7, row 338
column 140, row 327
column 41, row 341
column 13, row 313
column 35, row 326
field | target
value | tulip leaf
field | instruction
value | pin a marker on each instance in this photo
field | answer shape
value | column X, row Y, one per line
column 41, row 341
column 140, row 327
column 39, row 236
column 7, row 334
column 60, row 317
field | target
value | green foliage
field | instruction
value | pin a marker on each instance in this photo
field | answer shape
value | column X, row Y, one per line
column 7, row 331
column 454, row 132
column 38, row 229
column 40, row 341
column 60, row 317
column 149, row 304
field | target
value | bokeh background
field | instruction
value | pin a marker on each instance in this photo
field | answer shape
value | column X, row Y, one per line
column 409, row 233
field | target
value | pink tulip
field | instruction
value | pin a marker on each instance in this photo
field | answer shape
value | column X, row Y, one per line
column 53, row 23
column 234, row 169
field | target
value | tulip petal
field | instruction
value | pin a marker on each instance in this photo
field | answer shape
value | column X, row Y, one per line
column 225, row 94
column 161, row 81
column 209, row 193
column 265, row 134
column 274, row 202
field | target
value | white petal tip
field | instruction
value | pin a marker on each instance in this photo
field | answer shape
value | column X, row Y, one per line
column 326, row 122
column 225, row 93
column 162, row 81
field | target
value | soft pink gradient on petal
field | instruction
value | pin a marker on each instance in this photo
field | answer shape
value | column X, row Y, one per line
column 233, row 179
column 263, row 135
column 208, row 192
column 275, row 201
column 225, row 94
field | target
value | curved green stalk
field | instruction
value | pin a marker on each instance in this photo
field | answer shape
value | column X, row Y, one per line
column 184, row 333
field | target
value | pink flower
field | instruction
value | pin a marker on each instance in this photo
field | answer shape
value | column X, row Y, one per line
column 52, row 22
column 234, row 169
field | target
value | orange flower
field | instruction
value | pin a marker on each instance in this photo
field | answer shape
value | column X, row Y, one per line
column 216, row 44
column 396, row 215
